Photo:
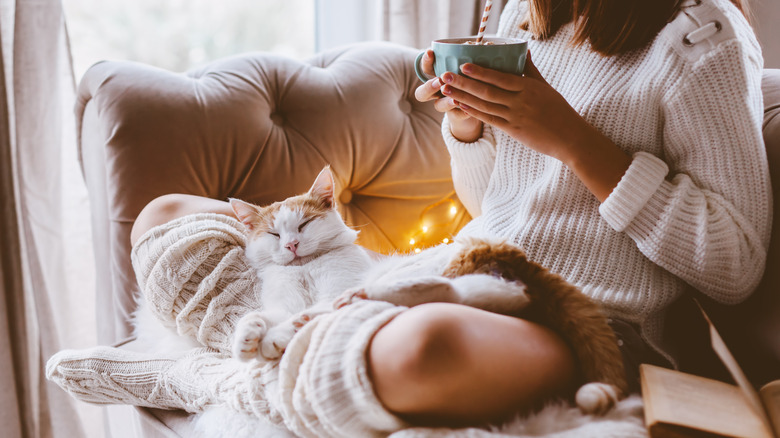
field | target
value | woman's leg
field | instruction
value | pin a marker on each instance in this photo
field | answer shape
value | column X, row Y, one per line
column 450, row 364
column 169, row 207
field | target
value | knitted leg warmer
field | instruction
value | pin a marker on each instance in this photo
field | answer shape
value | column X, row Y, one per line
column 195, row 277
column 201, row 378
column 324, row 384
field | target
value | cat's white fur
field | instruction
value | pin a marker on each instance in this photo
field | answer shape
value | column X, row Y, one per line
column 309, row 264
column 152, row 336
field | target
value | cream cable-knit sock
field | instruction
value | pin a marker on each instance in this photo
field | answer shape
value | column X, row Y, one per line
column 196, row 278
column 203, row 377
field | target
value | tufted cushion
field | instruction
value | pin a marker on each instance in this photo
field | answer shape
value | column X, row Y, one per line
column 258, row 127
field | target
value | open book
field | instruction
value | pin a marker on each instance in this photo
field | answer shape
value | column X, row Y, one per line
column 683, row 405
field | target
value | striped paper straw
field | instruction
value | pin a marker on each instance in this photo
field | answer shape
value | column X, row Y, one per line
column 483, row 24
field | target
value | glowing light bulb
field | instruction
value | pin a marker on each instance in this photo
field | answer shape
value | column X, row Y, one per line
column 412, row 241
column 424, row 229
column 446, row 240
column 453, row 210
column 417, row 250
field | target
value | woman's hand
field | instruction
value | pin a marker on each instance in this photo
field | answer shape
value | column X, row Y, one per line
column 464, row 127
column 531, row 111
column 525, row 107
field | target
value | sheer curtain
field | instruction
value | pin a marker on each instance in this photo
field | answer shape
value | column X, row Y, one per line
column 416, row 23
column 45, row 283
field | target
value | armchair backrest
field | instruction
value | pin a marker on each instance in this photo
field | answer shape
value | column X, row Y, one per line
column 259, row 127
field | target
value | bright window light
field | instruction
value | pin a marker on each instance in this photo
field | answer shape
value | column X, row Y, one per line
column 181, row 34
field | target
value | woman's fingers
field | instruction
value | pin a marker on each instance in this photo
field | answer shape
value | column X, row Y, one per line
column 504, row 81
column 444, row 104
column 479, row 101
column 482, row 95
column 427, row 63
column 429, row 90
column 490, row 119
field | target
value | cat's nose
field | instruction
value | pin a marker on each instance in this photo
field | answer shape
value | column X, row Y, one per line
column 292, row 246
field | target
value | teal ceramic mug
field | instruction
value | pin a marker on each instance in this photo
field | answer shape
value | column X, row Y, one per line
column 503, row 54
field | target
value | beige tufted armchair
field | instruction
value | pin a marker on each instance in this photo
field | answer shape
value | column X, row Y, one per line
column 259, row 127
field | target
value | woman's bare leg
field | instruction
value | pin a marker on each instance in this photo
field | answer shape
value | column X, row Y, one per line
column 169, row 207
column 450, row 364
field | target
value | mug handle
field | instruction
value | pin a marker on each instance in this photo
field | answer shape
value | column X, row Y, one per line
column 418, row 69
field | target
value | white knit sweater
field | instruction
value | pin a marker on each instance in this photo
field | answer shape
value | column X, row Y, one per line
column 694, row 207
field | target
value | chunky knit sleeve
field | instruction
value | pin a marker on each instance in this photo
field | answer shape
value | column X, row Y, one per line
column 472, row 164
column 703, row 210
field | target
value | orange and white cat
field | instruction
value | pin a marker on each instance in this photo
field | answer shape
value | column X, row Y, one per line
column 308, row 262
column 306, row 257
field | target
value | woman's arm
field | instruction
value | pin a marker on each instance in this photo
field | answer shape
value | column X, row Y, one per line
column 472, row 164
column 704, row 213
column 708, row 219
column 531, row 111
column 469, row 141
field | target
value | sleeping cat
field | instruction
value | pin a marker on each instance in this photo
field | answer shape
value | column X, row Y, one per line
column 308, row 263
column 306, row 257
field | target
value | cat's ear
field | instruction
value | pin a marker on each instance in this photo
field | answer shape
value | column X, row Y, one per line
column 323, row 187
column 245, row 212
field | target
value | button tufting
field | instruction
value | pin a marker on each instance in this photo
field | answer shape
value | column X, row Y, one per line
column 405, row 106
column 277, row 119
column 345, row 197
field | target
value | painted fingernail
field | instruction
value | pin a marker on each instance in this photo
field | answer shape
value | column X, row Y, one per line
column 436, row 83
column 466, row 68
column 447, row 77
column 464, row 106
column 446, row 90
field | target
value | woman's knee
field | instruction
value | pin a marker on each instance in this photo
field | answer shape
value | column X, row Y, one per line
column 166, row 208
column 447, row 361
column 422, row 342
column 414, row 353
column 157, row 212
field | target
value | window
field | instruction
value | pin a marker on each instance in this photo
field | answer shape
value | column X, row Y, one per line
column 181, row 34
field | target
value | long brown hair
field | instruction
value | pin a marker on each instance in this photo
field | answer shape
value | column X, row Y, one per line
column 611, row 27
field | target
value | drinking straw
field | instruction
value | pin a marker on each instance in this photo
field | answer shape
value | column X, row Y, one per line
column 483, row 24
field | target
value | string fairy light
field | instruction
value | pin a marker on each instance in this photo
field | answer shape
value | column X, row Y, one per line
column 434, row 219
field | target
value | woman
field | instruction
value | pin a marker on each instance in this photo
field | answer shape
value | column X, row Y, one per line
column 628, row 159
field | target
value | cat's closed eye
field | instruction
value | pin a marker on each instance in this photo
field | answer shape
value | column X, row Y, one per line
column 300, row 227
column 273, row 234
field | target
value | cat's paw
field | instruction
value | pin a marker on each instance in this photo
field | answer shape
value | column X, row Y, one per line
column 350, row 296
column 250, row 330
column 301, row 320
column 276, row 341
column 597, row 398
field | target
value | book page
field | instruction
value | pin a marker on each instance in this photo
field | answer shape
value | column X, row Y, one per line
column 770, row 395
column 699, row 403
column 736, row 372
